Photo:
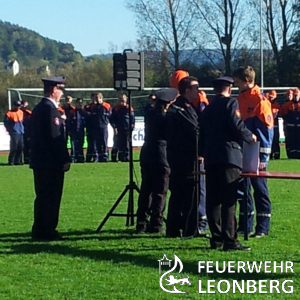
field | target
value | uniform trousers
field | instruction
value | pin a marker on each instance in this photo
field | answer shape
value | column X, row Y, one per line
column 101, row 136
column 286, row 140
column 182, row 209
column 123, row 145
column 262, row 205
column 90, row 151
column 202, row 202
column 152, row 198
column 221, row 188
column 48, row 184
column 77, row 140
column 293, row 134
column 115, row 149
column 26, row 148
column 275, row 144
column 16, row 148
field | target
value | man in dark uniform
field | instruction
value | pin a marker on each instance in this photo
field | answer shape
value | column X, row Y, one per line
column 283, row 112
column 49, row 160
column 221, row 131
column 154, row 166
column 149, row 106
column 120, row 122
column 100, row 117
column 26, row 137
column 90, row 151
column 182, row 156
column 77, row 125
column 68, row 109
column 291, row 117
column 275, row 153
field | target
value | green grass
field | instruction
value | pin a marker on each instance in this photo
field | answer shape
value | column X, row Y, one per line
column 116, row 263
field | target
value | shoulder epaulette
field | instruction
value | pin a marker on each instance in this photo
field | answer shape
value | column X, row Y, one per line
column 106, row 105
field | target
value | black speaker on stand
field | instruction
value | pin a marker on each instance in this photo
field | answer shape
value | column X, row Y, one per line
column 128, row 75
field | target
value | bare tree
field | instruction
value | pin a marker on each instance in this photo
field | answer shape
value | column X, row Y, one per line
column 279, row 23
column 169, row 24
column 227, row 29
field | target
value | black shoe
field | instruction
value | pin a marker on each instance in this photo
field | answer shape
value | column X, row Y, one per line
column 258, row 235
column 237, row 247
column 173, row 234
column 48, row 237
column 140, row 229
column 203, row 234
column 242, row 232
column 215, row 245
column 156, row 230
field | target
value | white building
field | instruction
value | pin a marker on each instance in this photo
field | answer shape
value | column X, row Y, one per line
column 13, row 67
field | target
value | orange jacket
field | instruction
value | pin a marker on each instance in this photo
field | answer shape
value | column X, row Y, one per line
column 61, row 110
column 106, row 105
column 13, row 121
column 289, row 106
column 201, row 102
column 253, row 104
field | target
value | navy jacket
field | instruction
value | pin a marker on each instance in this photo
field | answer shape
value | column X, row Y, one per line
column 221, row 132
column 182, row 129
column 154, row 150
column 100, row 115
column 77, row 120
column 120, row 118
column 48, row 146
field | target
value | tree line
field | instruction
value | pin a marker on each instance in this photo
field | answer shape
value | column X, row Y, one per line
column 208, row 38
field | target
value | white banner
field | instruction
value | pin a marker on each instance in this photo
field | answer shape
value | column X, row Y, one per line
column 4, row 138
column 137, row 136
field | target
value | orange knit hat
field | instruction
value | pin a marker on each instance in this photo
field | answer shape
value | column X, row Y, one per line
column 176, row 77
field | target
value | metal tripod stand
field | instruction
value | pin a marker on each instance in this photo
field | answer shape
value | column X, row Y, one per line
column 130, row 187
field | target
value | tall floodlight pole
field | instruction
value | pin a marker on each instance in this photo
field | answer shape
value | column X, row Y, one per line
column 261, row 47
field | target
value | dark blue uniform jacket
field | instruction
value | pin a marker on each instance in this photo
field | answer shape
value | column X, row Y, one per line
column 154, row 150
column 48, row 146
column 182, row 136
column 222, row 131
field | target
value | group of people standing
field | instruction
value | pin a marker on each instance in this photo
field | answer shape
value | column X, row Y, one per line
column 290, row 113
column 184, row 134
column 79, row 121
column 182, row 131
column 92, row 121
column 17, row 124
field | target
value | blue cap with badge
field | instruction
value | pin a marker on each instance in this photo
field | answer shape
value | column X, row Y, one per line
column 54, row 81
column 224, row 80
column 166, row 94
column 17, row 103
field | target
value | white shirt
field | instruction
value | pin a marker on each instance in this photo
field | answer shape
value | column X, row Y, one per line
column 53, row 101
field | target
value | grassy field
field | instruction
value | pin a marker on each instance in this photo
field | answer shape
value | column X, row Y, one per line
column 116, row 263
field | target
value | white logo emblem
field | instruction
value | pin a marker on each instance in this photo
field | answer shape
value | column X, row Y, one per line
column 56, row 121
column 172, row 280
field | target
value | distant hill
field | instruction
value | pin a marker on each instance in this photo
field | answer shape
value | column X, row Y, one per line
column 31, row 49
